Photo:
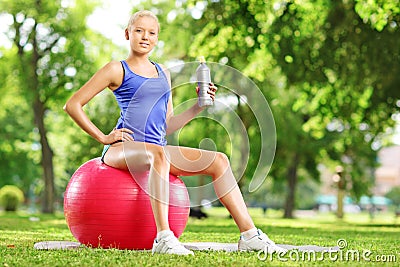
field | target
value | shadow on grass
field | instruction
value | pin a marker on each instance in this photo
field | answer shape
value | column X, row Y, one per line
column 377, row 225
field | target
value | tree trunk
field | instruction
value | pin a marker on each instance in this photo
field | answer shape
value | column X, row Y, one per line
column 31, row 82
column 292, row 184
column 39, row 109
column 47, row 158
column 243, row 145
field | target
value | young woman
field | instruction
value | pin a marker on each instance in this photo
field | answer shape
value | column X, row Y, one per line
column 142, row 89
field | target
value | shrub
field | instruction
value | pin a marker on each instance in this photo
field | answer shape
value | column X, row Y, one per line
column 10, row 197
column 394, row 195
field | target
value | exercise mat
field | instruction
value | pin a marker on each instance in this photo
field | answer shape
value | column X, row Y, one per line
column 49, row 245
column 196, row 246
column 231, row 247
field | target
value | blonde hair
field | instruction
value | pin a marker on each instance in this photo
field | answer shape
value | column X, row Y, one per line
column 141, row 14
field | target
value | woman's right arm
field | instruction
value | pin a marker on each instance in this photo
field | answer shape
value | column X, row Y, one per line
column 111, row 76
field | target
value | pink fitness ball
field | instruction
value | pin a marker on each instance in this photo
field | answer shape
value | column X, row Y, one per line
column 105, row 207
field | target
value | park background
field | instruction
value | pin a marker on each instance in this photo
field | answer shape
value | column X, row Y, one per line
column 328, row 69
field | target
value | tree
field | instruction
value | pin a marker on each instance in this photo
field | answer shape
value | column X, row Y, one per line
column 327, row 60
column 17, row 149
column 348, row 80
column 52, row 52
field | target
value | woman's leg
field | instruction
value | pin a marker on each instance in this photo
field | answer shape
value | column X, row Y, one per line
column 190, row 161
column 139, row 157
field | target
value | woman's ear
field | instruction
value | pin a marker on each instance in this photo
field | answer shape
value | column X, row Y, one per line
column 126, row 34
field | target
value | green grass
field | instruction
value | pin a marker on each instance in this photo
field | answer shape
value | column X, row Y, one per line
column 18, row 234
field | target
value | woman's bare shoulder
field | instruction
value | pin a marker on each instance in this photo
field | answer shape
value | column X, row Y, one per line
column 114, row 71
column 114, row 65
column 164, row 68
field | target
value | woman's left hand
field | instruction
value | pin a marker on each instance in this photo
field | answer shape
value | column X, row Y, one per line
column 212, row 89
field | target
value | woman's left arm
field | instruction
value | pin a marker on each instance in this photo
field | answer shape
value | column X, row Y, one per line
column 176, row 122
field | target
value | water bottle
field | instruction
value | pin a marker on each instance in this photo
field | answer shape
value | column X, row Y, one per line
column 203, row 81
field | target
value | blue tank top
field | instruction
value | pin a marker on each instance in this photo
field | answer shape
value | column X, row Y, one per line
column 143, row 103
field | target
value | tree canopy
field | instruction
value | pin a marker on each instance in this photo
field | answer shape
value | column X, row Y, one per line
column 328, row 70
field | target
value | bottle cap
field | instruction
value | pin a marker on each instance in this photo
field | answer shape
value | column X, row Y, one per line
column 202, row 59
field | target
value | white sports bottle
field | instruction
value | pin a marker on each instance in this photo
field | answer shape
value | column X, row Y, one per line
column 203, row 81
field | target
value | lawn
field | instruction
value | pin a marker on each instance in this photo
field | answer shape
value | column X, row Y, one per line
column 378, row 240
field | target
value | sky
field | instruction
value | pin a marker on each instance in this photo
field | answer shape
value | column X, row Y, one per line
column 111, row 18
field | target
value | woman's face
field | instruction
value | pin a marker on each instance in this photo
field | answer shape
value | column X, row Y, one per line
column 143, row 34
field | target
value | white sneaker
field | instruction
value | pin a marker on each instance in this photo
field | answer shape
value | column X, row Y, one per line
column 169, row 244
column 259, row 242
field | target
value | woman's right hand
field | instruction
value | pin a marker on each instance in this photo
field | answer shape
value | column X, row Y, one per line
column 116, row 135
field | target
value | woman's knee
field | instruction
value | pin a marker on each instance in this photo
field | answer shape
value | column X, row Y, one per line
column 157, row 154
column 222, row 159
column 221, row 164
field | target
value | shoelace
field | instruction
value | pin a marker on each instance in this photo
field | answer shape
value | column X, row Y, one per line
column 172, row 242
column 265, row 238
